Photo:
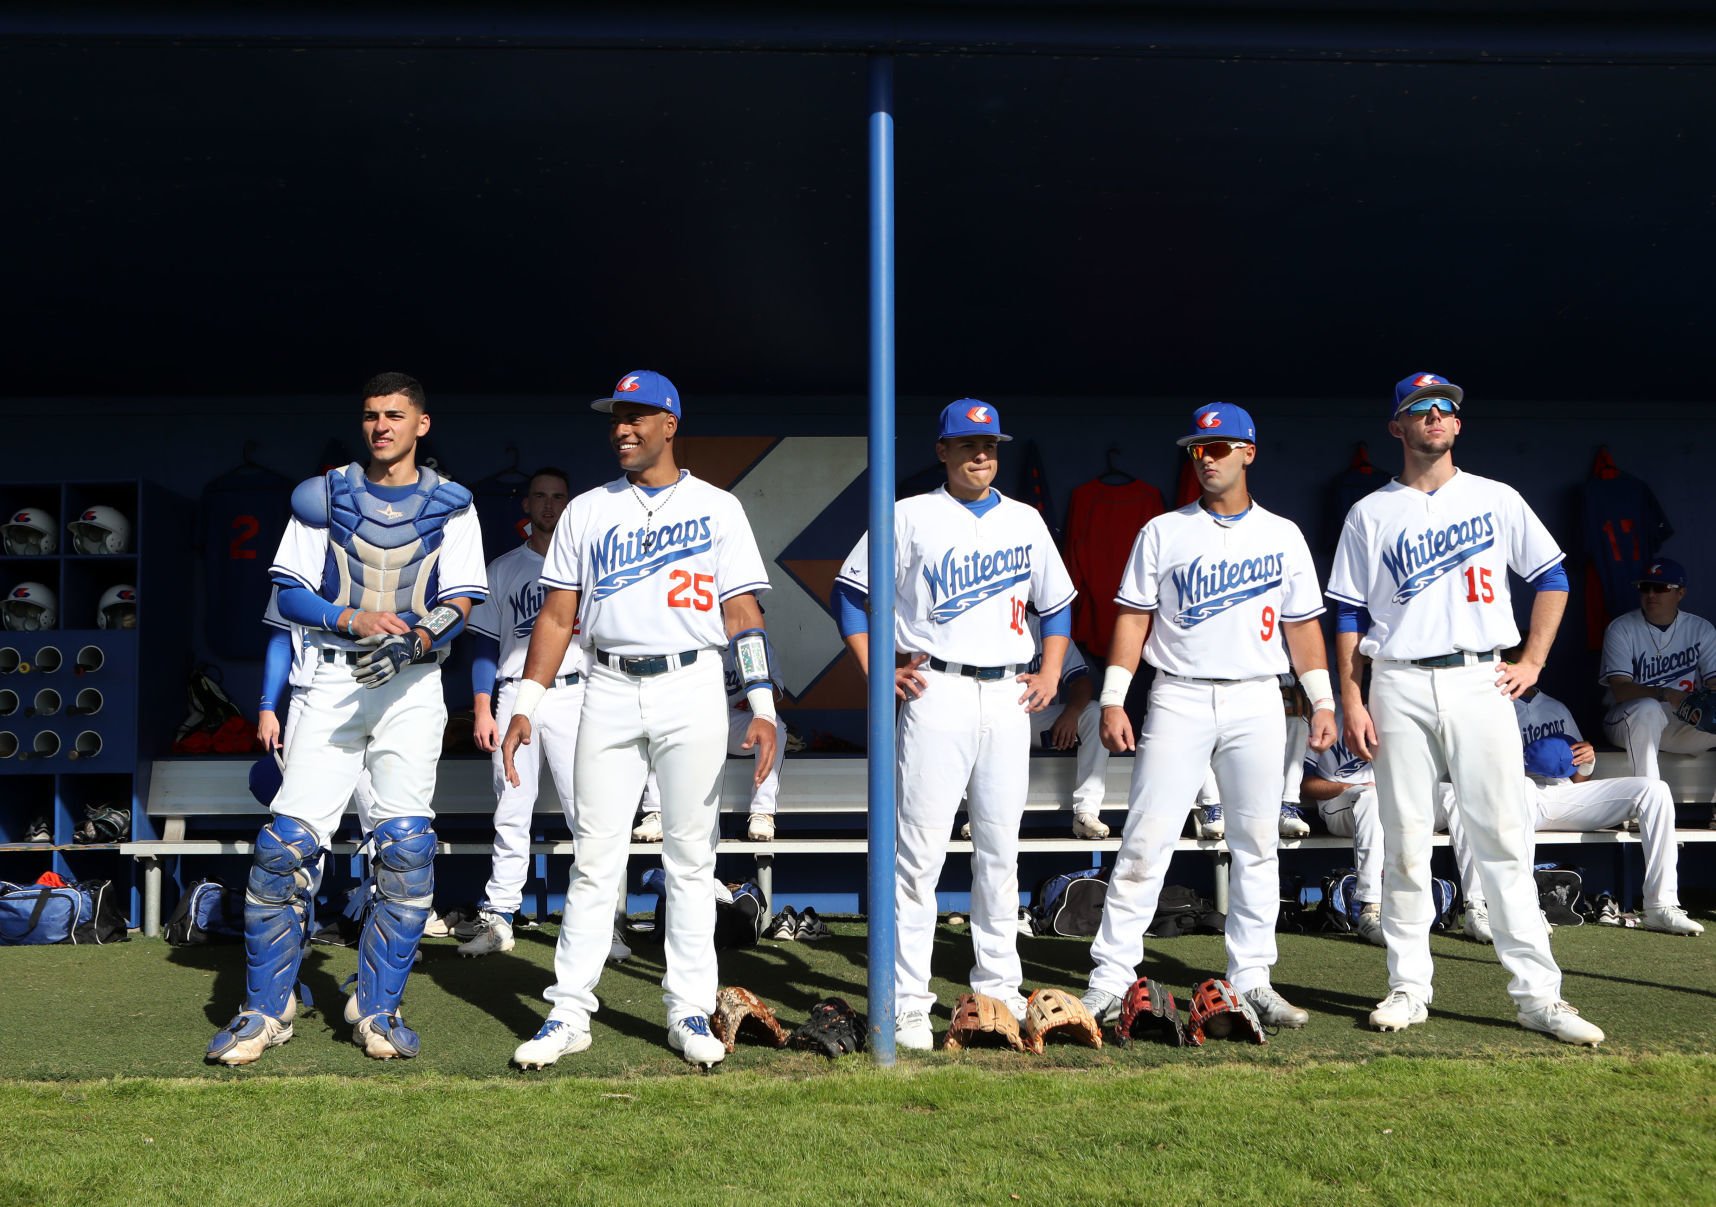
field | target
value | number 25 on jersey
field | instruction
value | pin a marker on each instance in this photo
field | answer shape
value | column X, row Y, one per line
column 688, row 590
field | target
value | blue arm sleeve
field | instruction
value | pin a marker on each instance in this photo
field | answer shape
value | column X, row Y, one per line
column 485, row 659
column 1350, row 618
column 302, row 606
column 276, row 665
column 1058, row 624
column 849, row 613
column 1553, row 579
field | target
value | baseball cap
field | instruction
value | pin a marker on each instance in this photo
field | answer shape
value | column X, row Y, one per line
column 1415, row 386
column 1220, row 421
column 1663, row 570
column 1549, row 758
column 266, row 776
column 645, row 387
column 970, row 417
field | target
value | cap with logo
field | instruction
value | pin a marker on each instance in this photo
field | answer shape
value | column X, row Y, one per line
column 646, row 388
column 1664, row 572
column 970, row 417
column 1220, row 421
column 1415, row 387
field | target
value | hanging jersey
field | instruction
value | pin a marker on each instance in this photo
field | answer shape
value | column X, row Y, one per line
column 1219, row 591
column 1432, row 568
column 1624, row 528
column 242, row 516
column 1103, row 520
column 509, row 614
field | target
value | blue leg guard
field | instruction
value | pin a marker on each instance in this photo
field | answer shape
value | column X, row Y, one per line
column 277, row 909
column 404, row 863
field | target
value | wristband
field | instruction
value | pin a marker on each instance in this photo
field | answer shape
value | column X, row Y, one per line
column 530, row 694
column 351, row 624
column 762, row 698
column 1116, row 682
column 1317, row 686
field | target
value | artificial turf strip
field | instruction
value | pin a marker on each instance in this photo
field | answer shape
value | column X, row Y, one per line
column 143, row 1009
column 1521, row 1129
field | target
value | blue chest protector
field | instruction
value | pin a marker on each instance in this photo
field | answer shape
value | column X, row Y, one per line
column 383, row 555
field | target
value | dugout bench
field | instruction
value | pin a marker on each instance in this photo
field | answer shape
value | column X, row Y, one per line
column 190, row 799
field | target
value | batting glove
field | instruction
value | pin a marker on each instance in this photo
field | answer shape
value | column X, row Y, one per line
column 391, row 653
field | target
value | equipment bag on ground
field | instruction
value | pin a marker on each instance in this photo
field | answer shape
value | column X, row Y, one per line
column 1560, row 894
column 209, row 912
column 1180, row 911
column 38, row 914
column 1070, row 904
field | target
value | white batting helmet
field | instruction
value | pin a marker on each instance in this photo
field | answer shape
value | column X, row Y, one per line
column 30, row 532
column 118, row 608
column 30, row 608
column 100, row 529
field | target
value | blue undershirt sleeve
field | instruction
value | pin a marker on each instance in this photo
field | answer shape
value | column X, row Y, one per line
column 1058, row 623
column 276, row 666
column 485, row 661
column 849, row 612
column 1553, row 579
column 302, row 606
column 1350, row 618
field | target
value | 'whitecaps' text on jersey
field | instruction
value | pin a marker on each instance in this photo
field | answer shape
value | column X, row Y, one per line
column 1415, row 562
column 619, row 561
column 1207, row 591
column 961, row 582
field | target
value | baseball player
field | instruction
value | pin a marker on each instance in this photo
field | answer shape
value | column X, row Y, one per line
column 1421, row 577
column 1209, row 821
column 380, row 565
column 1219, row 595
column 761, row 827
column 969, row 563
column 667, row 572
column 1652, row 659
column 501, row 626
column 1343, row 786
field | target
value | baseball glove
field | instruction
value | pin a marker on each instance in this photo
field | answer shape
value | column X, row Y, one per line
column 1699, row 710
column 1217, row 1011
column 738, row 1010
column 834, row 1029
column 103, row 823
column 978, row 1014
column 1149, row 1009
column 1051, row 1009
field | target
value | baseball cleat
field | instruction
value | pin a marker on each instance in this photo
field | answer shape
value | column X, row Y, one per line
column 617, row 950
column 1104, row 1007
column 912, row 1031
column 1477, row 924
column 1563, row 1022
column 1016, row 1005
column 761, row 828
column 811, row 926
column 1024, row 925
column 555, row 1039
column 1671, row 920
column 1089, row 825
column 784, row 927
column 648, row 828
column 965, row 830
column 250, row 1033
column 692, row 1039
column 1398, row 1011
column 385, row 1036
column 1369, row 925
column 1210, row 823
column 1275, row 1010
column 494, row 934
column 1293, row 823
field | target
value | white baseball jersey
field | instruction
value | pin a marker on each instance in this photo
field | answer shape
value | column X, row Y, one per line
column 962, row 580
column 1220, row 590
column 656, row 587
column 303, row 659
column 1682, row 657
column 303, row 555
column 509, row 614
column 1431, row 568
column 1340, row 765
column 1544, row 716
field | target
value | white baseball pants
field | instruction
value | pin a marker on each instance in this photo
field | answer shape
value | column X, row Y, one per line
column 630, row 723
column 1455, row 722
column 553, row 737
column 1353, row 814
column 363, row 796
column 1647, row 727
column 1237, row 731
column 960, row 738
column 765, row 796
column 1091, row 770
column 1292, row 766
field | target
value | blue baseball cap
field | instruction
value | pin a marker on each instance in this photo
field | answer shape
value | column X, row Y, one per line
column 1220, row 421
column 1550, row 758
column 970, row 417
column 645, row 387
column 1664, row 571
column 266, row 775
column 1416, row 386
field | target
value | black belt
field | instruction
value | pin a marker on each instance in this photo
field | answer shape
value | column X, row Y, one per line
column 975, row 672
column 1457, row 658
column 647, row 664
column 566, row 680
column 351, row 657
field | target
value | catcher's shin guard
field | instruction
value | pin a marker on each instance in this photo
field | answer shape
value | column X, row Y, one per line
column 404, row 863
column 277, row 907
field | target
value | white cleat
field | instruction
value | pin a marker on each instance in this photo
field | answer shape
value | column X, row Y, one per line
column 1210, row 823
column 648, row 828
column 1104, row 1007
column 385, row 1036
column 1275, row 1010
column 1016, row 1006
column 1563, row 1022
column 965, row 830
column 494, row 934
column 1670, row 920
column 617, row 950
column 1089, row 825
column 1398, row 1011
column 1369, row 925
column 1293, row 823
column 554, row 1040
column 692, row 1039
column 1477, row 924
column 912, row 1031
column 761, row 828
column 251, row 1033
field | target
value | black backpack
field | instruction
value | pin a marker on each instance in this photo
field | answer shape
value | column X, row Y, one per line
column 209, row 912
column 1180, row 911
column 1070, row 904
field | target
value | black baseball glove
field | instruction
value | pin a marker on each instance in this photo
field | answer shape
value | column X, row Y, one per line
column 1699, row 710
column 834, row 1029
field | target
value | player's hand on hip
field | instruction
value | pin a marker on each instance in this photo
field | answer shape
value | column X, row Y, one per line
column 1323, row 732
column 1063, row 734
column 909, row 681
column 760, row 736
column 485, row 733
column 1039, row 692
column 517, row 734
column 268, row 729
column 1361, row 732
column 374, row 624
column 1517, row 678
column 1117, row 730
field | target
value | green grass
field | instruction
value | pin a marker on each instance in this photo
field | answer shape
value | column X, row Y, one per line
column 106, row 1098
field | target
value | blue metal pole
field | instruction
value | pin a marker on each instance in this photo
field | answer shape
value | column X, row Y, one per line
column 881, row 685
